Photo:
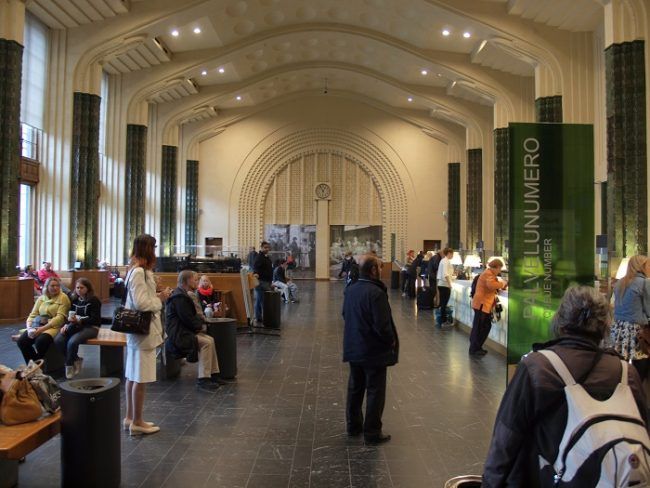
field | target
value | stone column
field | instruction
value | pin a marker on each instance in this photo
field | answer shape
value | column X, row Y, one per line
column 191, row 202
column 168, row 200
column 134, row 184
column 548, row 109
column 474, row 197
column 322, row 239
column 12, row 13
column 501, row 189
column 84, row 180
column 453, row 206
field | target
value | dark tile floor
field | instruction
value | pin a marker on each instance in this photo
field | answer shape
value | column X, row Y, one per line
column 282, row 423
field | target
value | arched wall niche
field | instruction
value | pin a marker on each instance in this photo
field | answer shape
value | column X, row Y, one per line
column 323, row 140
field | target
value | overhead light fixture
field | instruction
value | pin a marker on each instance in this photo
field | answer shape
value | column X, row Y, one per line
column 424, row 72
column 445, row 32
column 238, row 98
column 409, row 99
column 197, row 30
column 222, row 71
column 467, row 35
column 204, row 73
column 175, row 33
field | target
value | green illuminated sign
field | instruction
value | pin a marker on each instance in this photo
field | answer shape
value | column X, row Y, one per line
column 551, row 225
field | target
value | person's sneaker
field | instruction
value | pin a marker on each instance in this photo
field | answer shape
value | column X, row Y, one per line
column 482, row 352
column 293, row 300
column 77, row 366
column 376, row 439
column 206, row 384
column 69, row 372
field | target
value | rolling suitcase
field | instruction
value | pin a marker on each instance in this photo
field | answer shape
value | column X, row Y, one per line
column 425, row 298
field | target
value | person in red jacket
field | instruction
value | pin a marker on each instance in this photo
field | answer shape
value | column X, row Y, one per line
column 46, row 272
column 483, row 302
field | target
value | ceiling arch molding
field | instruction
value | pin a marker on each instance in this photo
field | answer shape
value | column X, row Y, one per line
column 264, row 166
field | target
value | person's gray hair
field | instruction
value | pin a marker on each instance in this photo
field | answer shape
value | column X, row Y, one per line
column 184, row 276
column 583, row 311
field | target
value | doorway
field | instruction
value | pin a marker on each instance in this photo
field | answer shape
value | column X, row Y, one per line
column 431, row 245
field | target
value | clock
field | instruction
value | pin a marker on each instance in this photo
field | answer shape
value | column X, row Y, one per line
column 323, row 191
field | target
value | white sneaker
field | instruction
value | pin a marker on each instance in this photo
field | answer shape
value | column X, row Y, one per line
column 77, row 366
column 69, row 372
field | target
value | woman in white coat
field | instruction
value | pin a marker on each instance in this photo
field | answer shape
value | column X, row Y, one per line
column 141, row 349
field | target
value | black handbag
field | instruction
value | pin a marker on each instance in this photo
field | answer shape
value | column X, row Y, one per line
column 131, row 321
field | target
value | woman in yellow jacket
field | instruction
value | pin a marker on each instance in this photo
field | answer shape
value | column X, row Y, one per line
column 48, row 315
column 483, row 301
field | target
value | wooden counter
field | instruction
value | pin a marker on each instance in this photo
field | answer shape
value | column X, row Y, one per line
column 98, row 277
column 16, row 299
column 222, row 282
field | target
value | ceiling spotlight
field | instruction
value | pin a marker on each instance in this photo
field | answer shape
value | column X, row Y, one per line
column 445, row 32
column 222, row 71
column 424, row 72
column 175, row 33
column 197, row 30
column 238, row 98
column 467, row 35
column 204, row 73
column 409, row 99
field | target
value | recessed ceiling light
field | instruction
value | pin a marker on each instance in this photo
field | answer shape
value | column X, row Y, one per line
column 445, row 32
column 439, row 74
column 197, row 30
column 467, row 35
column 238, row 97
column 204, row 73
column 221, row 70
column 175, row 33
column 409, row 99
column 424, row 72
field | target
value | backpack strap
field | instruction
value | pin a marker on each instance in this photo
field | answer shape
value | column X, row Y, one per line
column 624, row 373
column 559, row 366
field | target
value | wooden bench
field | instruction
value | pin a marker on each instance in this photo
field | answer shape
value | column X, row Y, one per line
column 111, row 352
column 16, row 441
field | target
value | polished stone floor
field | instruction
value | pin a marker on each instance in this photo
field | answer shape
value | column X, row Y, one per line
column 282, row 423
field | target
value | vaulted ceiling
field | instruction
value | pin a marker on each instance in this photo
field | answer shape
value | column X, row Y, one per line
column 223, row 54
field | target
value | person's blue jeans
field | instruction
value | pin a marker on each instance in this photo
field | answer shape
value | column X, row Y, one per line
column 259, row 298
column 69, row 343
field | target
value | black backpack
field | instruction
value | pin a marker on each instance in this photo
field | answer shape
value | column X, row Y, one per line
column 353, row 273
column 472, row 290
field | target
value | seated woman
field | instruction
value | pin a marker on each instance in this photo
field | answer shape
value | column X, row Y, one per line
column 30, row 272
column 44, row 321
column 211, row 298
column 533, row 414
column 84, row 321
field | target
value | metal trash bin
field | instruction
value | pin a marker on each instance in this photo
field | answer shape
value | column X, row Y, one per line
column 467, row 481
column 90, row 433
column 271, row 309
column 224, row 333
column 394, row 280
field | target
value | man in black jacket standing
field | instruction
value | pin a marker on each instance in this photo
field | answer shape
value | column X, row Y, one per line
column 263, row 271
column 370, row 345
column 184, row 328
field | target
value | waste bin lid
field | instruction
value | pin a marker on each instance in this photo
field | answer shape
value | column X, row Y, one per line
column 466, row 481
column 90, row 386
column 220, row 320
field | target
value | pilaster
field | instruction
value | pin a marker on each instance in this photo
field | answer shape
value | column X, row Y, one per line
column 168, row 200
column 474, row 197
column 453, row 205
column 501, row 189
column 191, row 202
column 134, row 184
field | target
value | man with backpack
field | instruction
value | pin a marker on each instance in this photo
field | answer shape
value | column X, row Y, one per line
column 574, row 415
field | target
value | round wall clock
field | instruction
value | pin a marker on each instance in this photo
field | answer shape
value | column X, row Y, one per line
column 323, row 190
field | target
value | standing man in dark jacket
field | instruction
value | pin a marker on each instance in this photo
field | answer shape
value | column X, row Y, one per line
column 432, row 270
column 184, row 328
column 370, row 345
column 263, row 271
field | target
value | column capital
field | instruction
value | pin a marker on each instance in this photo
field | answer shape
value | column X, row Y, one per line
column 12, row 20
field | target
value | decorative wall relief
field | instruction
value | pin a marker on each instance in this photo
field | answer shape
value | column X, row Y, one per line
column 134, row 184
column 548, row 109
column 453, row 206
column 191, row 202
column 168, row 200
column 84, row 180
column 501, row 190
column 11, row 61
column 627, row 190
column 474, row 197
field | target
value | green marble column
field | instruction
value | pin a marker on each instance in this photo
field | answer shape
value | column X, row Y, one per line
column 627, row 191
column 474, row 197
column 168, row 200
column 453, row 205
column 11, row 62
column 84, row 180
column 134, row 184
column 501, row 189
column 191, row 202
column 548, row 109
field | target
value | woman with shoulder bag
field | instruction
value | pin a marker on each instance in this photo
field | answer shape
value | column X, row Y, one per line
column 631, row 312
column 141, row 348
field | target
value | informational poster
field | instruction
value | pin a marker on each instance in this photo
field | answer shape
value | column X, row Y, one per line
column 355, row 239
column 551, row 225
column 295, row 243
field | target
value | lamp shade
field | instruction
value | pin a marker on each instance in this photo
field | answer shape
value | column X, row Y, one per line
column 456, row 260
column 472, row 261
column 505, row 266
column 622, row 268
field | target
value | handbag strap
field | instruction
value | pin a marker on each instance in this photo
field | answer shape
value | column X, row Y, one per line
column 126, row 282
